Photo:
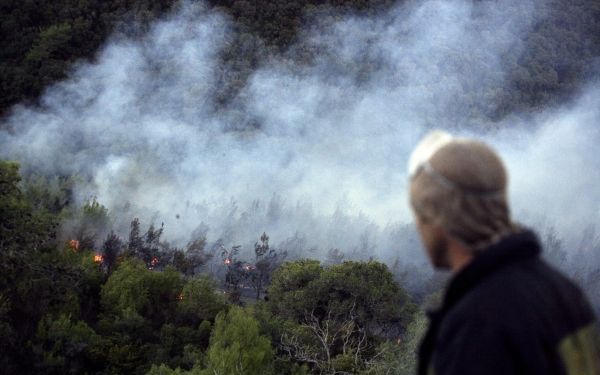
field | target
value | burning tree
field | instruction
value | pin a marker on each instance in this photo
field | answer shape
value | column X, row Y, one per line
column 87, row 224
column 111, row 248
column 74, row 245
column 235, row 274
column 145, row 246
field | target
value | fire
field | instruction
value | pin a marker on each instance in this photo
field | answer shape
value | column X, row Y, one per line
column 227, row 261
column 249, row 267
column 98, row 258
column 180, row 296
column 154, row 261
column 74, row 245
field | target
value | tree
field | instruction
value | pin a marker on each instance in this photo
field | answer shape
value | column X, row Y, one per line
column 133, row 289
column 31, row 284
column 340, row 313
column 237, row 347
column 21, row 227
column 88, row 224
column 331, row 345
column 265, row 262
column 235, row 273
column 136, row 243
column 399, row 356
column 126, row 289
column 151, row 248
column 291, row 290
column 199, row 301
column 111, row 249
column 146, row 247
column 51, row 43
column 67, row 346
column 140, row 318
column 194, row 257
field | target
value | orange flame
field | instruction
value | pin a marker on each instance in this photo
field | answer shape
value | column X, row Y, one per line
column 98, row 258
column 227, row 261
column 74, row 245
column 154, row 261
column 180, row 296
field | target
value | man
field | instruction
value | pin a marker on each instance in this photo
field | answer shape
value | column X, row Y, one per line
column 505, row 310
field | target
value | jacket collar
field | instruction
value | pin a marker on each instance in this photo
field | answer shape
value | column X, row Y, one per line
column 513, row 248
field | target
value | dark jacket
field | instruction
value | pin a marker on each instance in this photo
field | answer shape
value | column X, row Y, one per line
column 509, row 312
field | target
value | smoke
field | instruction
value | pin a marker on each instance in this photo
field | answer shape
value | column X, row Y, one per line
column 314, row 148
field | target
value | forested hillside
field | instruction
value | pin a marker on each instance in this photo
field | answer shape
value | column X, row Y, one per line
column 138, row 305
column 40, row 42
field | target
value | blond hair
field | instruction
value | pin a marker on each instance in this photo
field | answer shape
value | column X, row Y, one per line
column 461, row 186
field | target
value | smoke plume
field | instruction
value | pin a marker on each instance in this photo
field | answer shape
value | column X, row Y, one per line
column 314, row 148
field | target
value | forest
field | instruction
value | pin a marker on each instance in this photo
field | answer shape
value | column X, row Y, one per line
column 41, row 41
column 139, row 305
column 80, row 295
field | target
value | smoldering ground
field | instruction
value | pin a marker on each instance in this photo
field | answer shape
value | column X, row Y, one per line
column 313, row 150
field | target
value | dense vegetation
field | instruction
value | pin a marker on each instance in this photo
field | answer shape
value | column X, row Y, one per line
column 72, row 302
column 40, row 42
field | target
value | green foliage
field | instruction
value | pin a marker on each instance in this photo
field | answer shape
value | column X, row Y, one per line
column 337, row 315
column 153, row 317
column 145, row 246
column 303, row 287
column 48, row 193
column 369, row 288
column 187, row 262
column 95, row 213
column 164, row 291
column 291, row 290
column 237, row 347
column 14, row 210
column 400, row 357
column 126, row 289
column 199, row 302
column 558, row 56
column 21, row 227
column 266, row 261
column 134, row 290
column 87, row 224
column 67, row 346
column 39, row 43
column 33, row 284
column 63, row 312
column 165, row 370
column 111, row 248
column 50, row 44
column 8, row 340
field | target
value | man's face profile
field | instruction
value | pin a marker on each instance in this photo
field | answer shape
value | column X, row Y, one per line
column 435, row 243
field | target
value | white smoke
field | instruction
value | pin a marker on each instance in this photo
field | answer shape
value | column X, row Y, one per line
column 326, row 168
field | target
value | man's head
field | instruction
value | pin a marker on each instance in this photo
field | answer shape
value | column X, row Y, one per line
column 458, row 194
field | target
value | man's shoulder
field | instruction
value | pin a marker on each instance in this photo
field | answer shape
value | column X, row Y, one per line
column 530, row 296
column 519, row 285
